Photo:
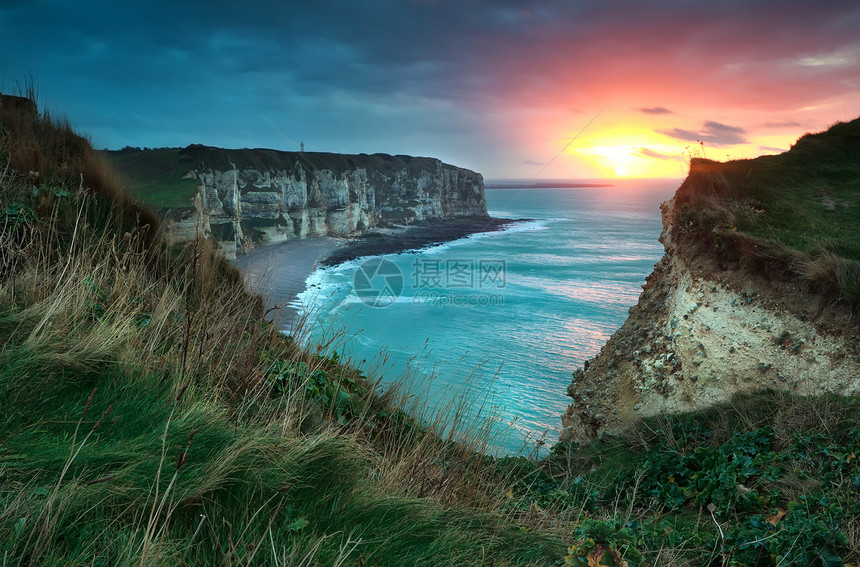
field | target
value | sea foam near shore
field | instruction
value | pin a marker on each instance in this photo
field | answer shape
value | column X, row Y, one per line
column 337, row 281
column 569, row 277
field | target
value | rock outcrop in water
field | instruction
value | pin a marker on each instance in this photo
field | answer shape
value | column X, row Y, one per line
column 252, row 197
column 728, row 310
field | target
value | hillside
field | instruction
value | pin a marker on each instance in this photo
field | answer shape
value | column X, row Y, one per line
column 795, row 215
column 150, row 415
column 746, row 330
column 757, row 290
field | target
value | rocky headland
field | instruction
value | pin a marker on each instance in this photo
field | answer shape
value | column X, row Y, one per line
column 756, row 290
column 413, row 237
column 245, row 198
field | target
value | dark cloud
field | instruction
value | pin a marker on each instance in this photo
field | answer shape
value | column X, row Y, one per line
column 715, row 129
column 421, row 76
column 713, row 132
column 645, row 152
column 655, row 110
column 785, row 124
column 426, row 48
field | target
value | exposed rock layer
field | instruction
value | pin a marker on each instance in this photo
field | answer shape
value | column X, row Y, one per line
column 251, row 197
column 704, row 329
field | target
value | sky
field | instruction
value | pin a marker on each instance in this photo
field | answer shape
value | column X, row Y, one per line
column 534, row 89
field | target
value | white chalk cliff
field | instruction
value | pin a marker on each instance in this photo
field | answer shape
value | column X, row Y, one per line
column 256, row 197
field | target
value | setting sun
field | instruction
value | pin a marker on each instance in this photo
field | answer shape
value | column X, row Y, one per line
column 631, row 155
column 636, row 145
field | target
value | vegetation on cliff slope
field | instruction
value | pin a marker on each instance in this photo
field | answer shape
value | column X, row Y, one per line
column 765, row 479
column 150, row 416
column 797, row 213
column 156, row 177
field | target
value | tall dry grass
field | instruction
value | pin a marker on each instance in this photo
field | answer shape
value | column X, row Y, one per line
column 141, row 424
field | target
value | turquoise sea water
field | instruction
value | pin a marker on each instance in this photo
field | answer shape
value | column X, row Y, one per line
column 511, row 314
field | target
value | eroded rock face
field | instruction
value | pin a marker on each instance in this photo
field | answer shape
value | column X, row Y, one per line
column 702, row 332
column 246, row 207
column 258, row 197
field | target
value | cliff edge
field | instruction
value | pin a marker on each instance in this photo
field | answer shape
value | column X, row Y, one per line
column 758, row 289
column 243, row 198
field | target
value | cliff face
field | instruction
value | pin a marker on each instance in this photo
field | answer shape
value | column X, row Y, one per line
column 252, row 197
column 725, row 312
column 700, row 333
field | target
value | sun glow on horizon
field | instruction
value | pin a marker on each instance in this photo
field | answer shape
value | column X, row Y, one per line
column 654, row 159
column 633, row 145
column 623, row 145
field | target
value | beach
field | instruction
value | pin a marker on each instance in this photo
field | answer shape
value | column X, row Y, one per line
column 278, row 273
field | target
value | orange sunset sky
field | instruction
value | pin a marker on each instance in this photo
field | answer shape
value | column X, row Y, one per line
column 501, row 87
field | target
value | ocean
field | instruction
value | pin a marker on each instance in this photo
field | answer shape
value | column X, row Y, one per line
column 502, row 318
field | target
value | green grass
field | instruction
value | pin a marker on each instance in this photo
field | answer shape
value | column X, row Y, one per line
column 112, row 494
column 155, row 177
column 765, row 479
column 801, row 207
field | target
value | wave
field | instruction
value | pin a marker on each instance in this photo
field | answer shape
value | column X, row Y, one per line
column 514, row 226
column 328, row 287
column 325, row 283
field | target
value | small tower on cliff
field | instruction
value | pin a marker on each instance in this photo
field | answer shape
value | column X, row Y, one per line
column 303, row 147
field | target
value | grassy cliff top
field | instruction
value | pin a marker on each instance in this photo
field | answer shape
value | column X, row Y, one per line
column 800, row 208
column 156, row 176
